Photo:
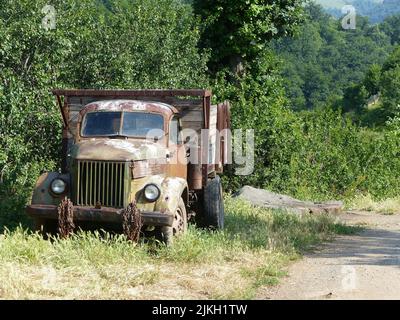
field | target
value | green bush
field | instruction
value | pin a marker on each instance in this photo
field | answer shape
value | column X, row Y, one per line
column 317, row 154
column 154, row 44
column 140, row 44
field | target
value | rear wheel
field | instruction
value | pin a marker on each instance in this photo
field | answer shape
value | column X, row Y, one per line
column 179, row 225
column 213, row 206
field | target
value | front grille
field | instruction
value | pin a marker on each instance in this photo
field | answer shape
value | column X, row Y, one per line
column 101, row 183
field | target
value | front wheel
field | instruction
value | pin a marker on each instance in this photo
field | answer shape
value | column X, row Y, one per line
column 179, row 225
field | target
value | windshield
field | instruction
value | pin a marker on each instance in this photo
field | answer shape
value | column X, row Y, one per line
column 134, row 124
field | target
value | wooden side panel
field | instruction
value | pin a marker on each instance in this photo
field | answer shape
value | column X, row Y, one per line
column 224, row 150
column 192, row 118
column 212, row 143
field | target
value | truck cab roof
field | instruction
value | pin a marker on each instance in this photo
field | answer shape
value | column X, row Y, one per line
column 129, row 105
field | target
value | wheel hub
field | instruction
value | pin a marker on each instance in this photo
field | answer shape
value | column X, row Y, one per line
column 178, row 225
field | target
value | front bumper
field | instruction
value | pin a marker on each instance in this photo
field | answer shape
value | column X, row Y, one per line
column 104, row 215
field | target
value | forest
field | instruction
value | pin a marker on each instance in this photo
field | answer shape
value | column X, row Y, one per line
column 325, row 64
column 375, row 10
column 324, row 102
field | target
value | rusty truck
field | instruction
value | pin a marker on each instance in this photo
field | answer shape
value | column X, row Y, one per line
column 124, row 148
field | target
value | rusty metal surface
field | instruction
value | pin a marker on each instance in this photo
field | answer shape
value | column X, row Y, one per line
column 172, row 189
column 129, row 105
column 141, row 169
column 206, row 110
column 132, row 222
column 64, row 117
column 65, row 212
column 195, row 175
column 205, row 96
column 105, row 215
column 42, row 193
column 104, row 149
column 143, row 161
column 101, row 183
column 133, row 93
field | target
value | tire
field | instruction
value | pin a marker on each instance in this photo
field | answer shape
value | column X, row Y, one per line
column 213, row 206
column 179, row 226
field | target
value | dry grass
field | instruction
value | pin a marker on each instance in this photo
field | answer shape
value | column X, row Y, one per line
column 251, row 252
column 368, row 203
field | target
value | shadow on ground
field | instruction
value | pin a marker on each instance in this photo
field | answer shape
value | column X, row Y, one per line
column 370, row 247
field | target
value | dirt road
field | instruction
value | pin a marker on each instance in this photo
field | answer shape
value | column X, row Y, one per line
column 362, row 266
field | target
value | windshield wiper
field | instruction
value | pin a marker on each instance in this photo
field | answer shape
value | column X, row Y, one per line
column 118, row 136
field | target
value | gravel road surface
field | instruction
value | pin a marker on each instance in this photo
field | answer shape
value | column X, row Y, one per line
column 362, row 266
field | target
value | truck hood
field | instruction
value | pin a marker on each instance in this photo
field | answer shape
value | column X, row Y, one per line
column 117, row 150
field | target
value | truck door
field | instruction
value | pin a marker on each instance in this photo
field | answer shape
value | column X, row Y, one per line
column 177, row 158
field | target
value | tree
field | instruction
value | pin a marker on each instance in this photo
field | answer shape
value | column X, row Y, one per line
column 140, row 44
column 355, row 98
column 390, row 82
column 323, row 60
column 375, row 10
column 237, row 31
column 372, row 79
column 391, row 26
column 393, row 61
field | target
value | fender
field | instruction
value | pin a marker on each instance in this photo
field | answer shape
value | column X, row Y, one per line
column 172, row 190
column 42, row 193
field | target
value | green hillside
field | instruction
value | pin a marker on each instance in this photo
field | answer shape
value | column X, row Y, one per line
column 375, row 10
column 340, row 3
column 331, row 3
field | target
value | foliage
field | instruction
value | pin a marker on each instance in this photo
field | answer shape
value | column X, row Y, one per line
column 320, row 155
column 366, row 202
column 375, row 10
column 323, row 60
column 382, row 82
column 315, row 154
column 253, row 250
column 391, row 26
column 143, row 44
column 239, row 30
column 372, row 79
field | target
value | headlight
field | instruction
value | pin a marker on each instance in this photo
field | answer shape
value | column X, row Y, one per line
column 151, row 192
column 58, row 186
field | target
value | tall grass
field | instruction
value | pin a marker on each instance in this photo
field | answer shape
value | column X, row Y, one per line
column 367, row 202
column 252, row 251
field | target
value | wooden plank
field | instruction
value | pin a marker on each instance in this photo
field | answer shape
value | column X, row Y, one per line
column 194, row 116
column 178, row 103
column 76, row 107
column 133, row 93
column 181, row 105
column 213, row 120
column 194, row 125
column 73, row 114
